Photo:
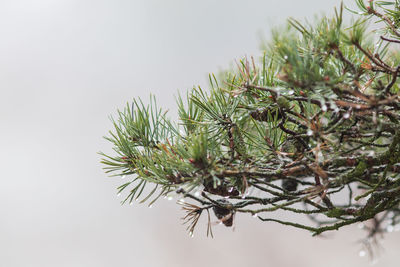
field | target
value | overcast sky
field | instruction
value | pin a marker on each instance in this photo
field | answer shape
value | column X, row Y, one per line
column 65, row 67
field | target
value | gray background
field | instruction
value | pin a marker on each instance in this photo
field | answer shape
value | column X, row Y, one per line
column 65, row 66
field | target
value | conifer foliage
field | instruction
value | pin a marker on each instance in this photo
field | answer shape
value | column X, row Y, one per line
column 311, row 128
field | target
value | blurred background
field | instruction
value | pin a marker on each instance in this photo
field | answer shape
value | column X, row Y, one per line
column 65, row 67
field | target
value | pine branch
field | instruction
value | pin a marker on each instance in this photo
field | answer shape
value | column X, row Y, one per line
column 313, row 129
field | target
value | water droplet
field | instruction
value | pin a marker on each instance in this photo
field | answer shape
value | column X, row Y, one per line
column 150, row 206
column 346, row 115
column 123, row 176
column 255, row 215
column 119, row 194
column 320, row 156
column 324, row 108
column 362, row 253
column 310, row 132
column 285, row 57
column 291, row 92
column 389, row 228
column 130, row 203
column 170, row 198
column 191, row 234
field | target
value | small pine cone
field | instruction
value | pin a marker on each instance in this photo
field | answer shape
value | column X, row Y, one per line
column 223, row 190
column 261, row 114
column 289, row 184
column 224, row 214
